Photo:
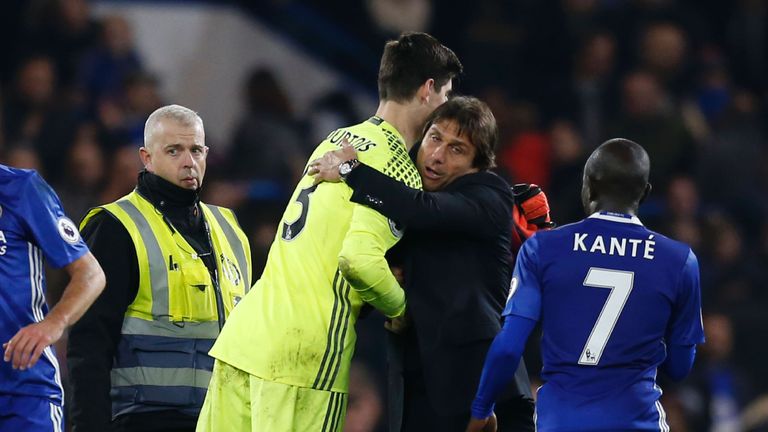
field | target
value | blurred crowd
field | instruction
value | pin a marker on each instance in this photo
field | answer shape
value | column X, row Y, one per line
column 688, row 80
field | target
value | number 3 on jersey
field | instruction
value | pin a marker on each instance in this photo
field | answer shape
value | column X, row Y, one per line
column 620, row 283
column 291, row 230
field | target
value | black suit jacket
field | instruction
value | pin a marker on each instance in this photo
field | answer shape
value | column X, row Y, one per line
column 456, row 260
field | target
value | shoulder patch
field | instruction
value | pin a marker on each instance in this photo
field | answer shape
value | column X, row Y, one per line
column 512, row 288
column 67, row 230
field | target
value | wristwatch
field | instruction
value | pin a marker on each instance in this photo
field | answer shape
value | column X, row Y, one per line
column 346, row 167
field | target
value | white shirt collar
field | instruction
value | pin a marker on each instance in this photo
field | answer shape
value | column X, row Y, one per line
column 617, row 217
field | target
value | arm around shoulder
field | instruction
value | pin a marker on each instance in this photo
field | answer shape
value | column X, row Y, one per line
column 476, row 206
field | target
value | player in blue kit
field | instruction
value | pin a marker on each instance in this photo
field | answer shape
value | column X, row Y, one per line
column 616, row 303
column 33, row 226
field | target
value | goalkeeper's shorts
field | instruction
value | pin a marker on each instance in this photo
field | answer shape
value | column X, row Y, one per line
column 239, row 402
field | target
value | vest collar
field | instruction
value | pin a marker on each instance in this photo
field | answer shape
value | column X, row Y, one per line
column 162, row 193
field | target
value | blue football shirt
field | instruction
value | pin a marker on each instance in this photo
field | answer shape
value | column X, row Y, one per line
column 610, row 295
column 32, row 227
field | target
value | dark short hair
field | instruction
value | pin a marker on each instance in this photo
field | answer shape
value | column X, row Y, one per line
column 412, row 59
column 475, row 119
column 619, row 168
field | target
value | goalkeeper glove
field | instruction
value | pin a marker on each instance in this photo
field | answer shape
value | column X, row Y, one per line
column 529, row 214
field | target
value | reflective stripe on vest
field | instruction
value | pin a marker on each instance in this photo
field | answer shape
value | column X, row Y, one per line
column 182, row 330
column 158, row 272
column 166, row 377
column 152, row 374
column 232, row 239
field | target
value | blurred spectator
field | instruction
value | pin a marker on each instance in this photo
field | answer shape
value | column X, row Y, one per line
column 717, row 390
column 28, row 105
column 729, row 269
column 589, row 96
column 687, row 231
column 267, row 143
column 140, row 97
column 106, row 67
column 524, row 151
column 23, row 157
column 547, row 35
column 65, row 31
column 79, row 191
column 737, row 148
column 748, row 42
column 123, row 170
column 32, row 115
column 581, row 14
column 568, row 157
column 122, row 116
column 649, row 119
column 663, row 53
column 683, row 199
column 714, row 91
column 396, row 16
column 494, row 28
column 328, row 113
column 682, row 220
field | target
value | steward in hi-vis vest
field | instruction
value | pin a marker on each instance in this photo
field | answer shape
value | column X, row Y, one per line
column 175, row 268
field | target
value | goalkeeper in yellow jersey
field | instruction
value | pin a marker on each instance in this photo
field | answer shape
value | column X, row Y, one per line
column 283, row 357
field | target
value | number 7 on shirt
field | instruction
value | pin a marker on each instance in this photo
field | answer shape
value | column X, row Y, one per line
column 620, row 283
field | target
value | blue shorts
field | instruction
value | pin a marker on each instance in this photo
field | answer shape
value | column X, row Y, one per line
column 29, row 413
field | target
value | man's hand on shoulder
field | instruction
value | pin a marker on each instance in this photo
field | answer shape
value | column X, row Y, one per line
column 326, row 168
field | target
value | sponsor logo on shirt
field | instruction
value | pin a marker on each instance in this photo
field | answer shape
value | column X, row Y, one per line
column 67, row 230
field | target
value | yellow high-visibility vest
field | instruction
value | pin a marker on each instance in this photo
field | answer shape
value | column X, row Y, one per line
column 162, row 357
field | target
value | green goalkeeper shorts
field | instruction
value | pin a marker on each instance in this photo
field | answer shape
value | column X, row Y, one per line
column 239, row 402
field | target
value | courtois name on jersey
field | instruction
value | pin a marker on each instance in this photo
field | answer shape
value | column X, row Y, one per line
column 610, row 294
column 32, row 226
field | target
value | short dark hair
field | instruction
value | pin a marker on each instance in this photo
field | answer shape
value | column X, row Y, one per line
column 412, row 59
column 475, row 119
column 619, row 169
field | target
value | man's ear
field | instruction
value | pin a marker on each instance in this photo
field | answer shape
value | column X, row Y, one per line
column 646, row 192
column 146, row 158
column 426, row 90
column 593, row 189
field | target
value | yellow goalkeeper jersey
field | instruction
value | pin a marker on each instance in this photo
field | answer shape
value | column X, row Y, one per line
column 297, row 324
